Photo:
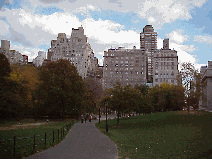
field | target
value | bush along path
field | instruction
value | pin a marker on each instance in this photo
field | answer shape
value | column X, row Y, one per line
column 84, row 141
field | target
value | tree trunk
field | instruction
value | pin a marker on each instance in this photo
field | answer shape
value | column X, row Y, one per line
column 118, row 119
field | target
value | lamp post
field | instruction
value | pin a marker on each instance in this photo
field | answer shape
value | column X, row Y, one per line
column 106, row 104
column 99, row 115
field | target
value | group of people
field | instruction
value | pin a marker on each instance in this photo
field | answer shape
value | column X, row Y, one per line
column 86, row 117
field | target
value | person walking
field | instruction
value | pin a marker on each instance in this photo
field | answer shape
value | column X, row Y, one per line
column 85, row 118
column 47, row 121
column 81, row 118
column 89, row 119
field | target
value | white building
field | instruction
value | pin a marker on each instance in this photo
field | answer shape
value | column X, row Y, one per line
column 13, row 56
column 206, row 74
column 76, row 50
column 165, row 65
column 38, row 61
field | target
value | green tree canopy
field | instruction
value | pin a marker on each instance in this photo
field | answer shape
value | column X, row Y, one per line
column 61, row 91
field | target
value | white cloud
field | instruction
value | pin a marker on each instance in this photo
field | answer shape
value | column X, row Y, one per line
column 177, row 36
column 4, row 28
column 203, row 39
column 157, row 12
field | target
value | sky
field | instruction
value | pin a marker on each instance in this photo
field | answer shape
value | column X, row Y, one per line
column 30, row 25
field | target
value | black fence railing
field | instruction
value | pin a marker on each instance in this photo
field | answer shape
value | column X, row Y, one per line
column 10, row 146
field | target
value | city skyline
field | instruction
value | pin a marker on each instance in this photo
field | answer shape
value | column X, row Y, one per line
column 31, row 25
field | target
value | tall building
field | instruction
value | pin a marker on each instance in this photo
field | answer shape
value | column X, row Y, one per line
column 127, row 66
column 76, row 49
column 206, row 74
column 165, row 65
column 148, row 41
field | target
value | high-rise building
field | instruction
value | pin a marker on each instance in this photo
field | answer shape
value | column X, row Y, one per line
column 127, row 66
column 206, row 99
column 148, row 41
column 165, row 65
column 76, row 50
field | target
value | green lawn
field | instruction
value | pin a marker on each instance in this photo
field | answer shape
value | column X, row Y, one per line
column 30, row 131
column 162, row 135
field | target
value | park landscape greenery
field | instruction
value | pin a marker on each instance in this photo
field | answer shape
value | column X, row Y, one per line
column 162, row 135
column 57, row 91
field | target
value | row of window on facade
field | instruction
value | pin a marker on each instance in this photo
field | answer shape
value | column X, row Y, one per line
column 122, row 55
column 126, row 72
column 109, row 58
column 164, row 80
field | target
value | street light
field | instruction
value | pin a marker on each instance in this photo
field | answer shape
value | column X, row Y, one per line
column 106, row 104
column 99, row 115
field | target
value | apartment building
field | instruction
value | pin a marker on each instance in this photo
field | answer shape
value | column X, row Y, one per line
column 148, row 41
column 165, row 65
column 206, row 75
column 38, row 61
column 127, row 66
column 13, row 56
column 76, row 49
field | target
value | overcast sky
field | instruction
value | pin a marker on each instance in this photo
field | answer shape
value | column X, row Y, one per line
column 30, row 25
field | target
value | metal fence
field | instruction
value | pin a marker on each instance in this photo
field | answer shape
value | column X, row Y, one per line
column 11, row 145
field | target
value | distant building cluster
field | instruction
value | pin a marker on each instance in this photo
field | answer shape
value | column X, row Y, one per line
column 13, row 56
column 147, row 65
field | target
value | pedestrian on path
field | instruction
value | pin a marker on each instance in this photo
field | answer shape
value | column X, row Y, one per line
column 47, row 121
column 89, row 119
column 85, row 118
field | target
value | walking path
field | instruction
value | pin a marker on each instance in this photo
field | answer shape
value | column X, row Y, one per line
column 84, row 141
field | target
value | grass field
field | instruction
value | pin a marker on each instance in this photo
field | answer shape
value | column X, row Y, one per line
column 29, row 131
column 162, row 135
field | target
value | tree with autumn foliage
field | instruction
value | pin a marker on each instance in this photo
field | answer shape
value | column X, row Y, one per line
column 25, row 76
column 93, row 95
column 61, row 90
column 10, row 100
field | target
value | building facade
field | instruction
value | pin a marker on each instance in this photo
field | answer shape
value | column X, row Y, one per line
column 127, row 66
column 13, row 56
column 206, row 75
column 165, row 65
column 76, row 49
column 38, row 61
column 148, row 41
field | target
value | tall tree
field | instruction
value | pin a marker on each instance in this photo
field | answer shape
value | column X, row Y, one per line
column 27, row 77
column 61, row 91
column 10, row 99
column 189, row 79
column 94, row 92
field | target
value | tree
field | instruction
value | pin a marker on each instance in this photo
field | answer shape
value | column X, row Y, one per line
column 10, row 100
column 144, row 102
column 27, row 77
column 4, row 66
column 61, row 91
column 93, row 94
column 189, row 79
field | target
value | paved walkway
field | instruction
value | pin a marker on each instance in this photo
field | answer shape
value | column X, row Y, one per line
column 84, row 141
